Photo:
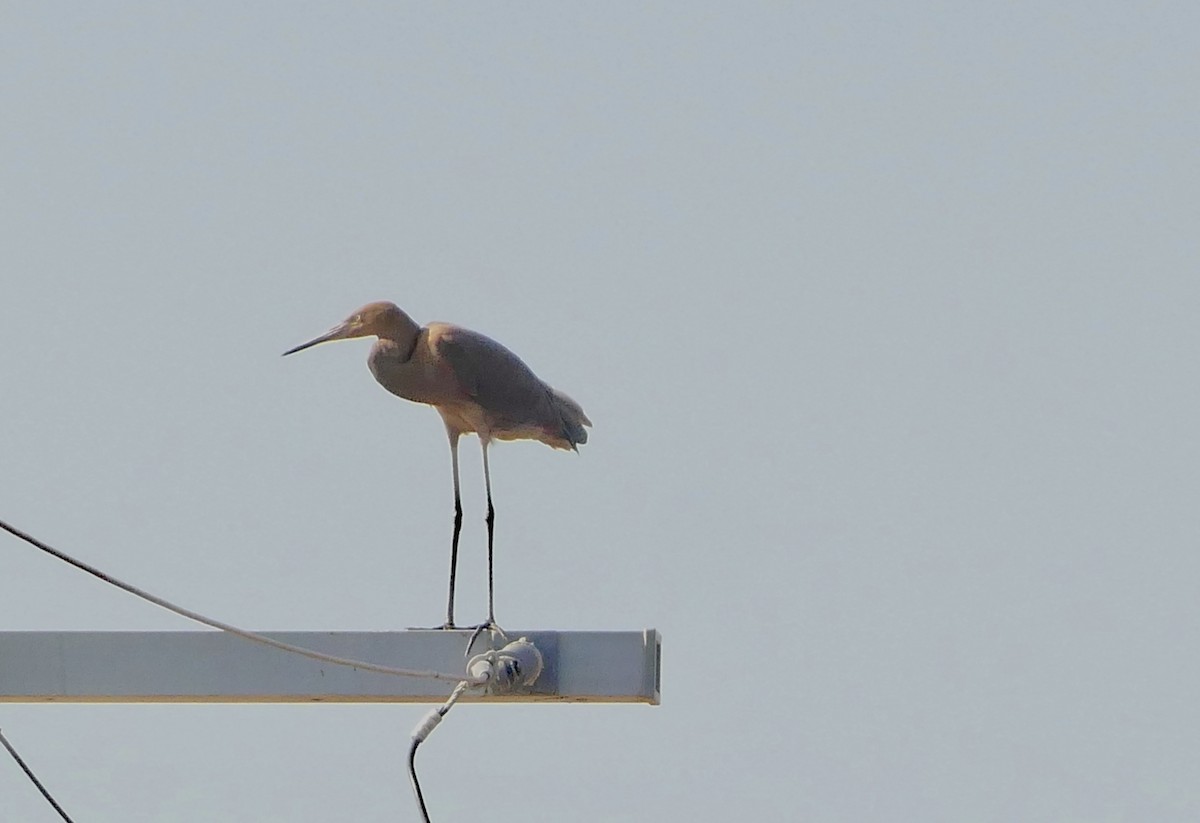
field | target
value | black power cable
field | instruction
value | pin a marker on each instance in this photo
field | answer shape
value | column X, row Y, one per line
column 512, row 670
column 423, row 730
column 45, row 793
column 412, row 775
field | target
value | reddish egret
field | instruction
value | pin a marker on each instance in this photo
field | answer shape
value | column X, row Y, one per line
column 475, row 384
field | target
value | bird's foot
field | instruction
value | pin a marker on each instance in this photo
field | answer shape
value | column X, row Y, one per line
column 489, row 626
column 448, row 626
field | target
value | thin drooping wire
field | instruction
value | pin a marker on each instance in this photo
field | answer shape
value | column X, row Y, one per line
column 417, row 739
column 34, row 779
column 416, row 784
column 225, row 627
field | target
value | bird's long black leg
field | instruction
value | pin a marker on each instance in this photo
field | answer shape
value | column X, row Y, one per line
column 457, row 529
column 491, row 519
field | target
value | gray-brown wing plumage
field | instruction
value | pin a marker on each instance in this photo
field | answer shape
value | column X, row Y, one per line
column 515, row 401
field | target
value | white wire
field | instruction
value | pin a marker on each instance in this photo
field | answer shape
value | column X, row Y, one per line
column 423, row 730
column 225, row 627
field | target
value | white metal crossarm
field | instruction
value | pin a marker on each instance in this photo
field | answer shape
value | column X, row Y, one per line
column 214, row 667
column 180, row 667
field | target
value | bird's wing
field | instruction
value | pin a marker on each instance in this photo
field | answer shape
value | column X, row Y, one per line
column 492, row 376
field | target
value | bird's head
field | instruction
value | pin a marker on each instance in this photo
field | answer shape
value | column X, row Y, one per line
column 381, row 319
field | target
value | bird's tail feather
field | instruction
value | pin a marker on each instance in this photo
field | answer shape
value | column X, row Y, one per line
column 573, row 418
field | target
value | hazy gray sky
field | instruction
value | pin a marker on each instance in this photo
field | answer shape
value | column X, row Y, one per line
column 885, row 315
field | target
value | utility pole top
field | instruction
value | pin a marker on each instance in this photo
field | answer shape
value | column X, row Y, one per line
column 214, row 667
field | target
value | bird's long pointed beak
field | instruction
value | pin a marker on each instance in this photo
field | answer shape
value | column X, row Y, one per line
column 339, row 332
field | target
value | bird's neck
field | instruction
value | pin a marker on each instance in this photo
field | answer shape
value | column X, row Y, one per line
column 394, row 350
column 399, row 336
